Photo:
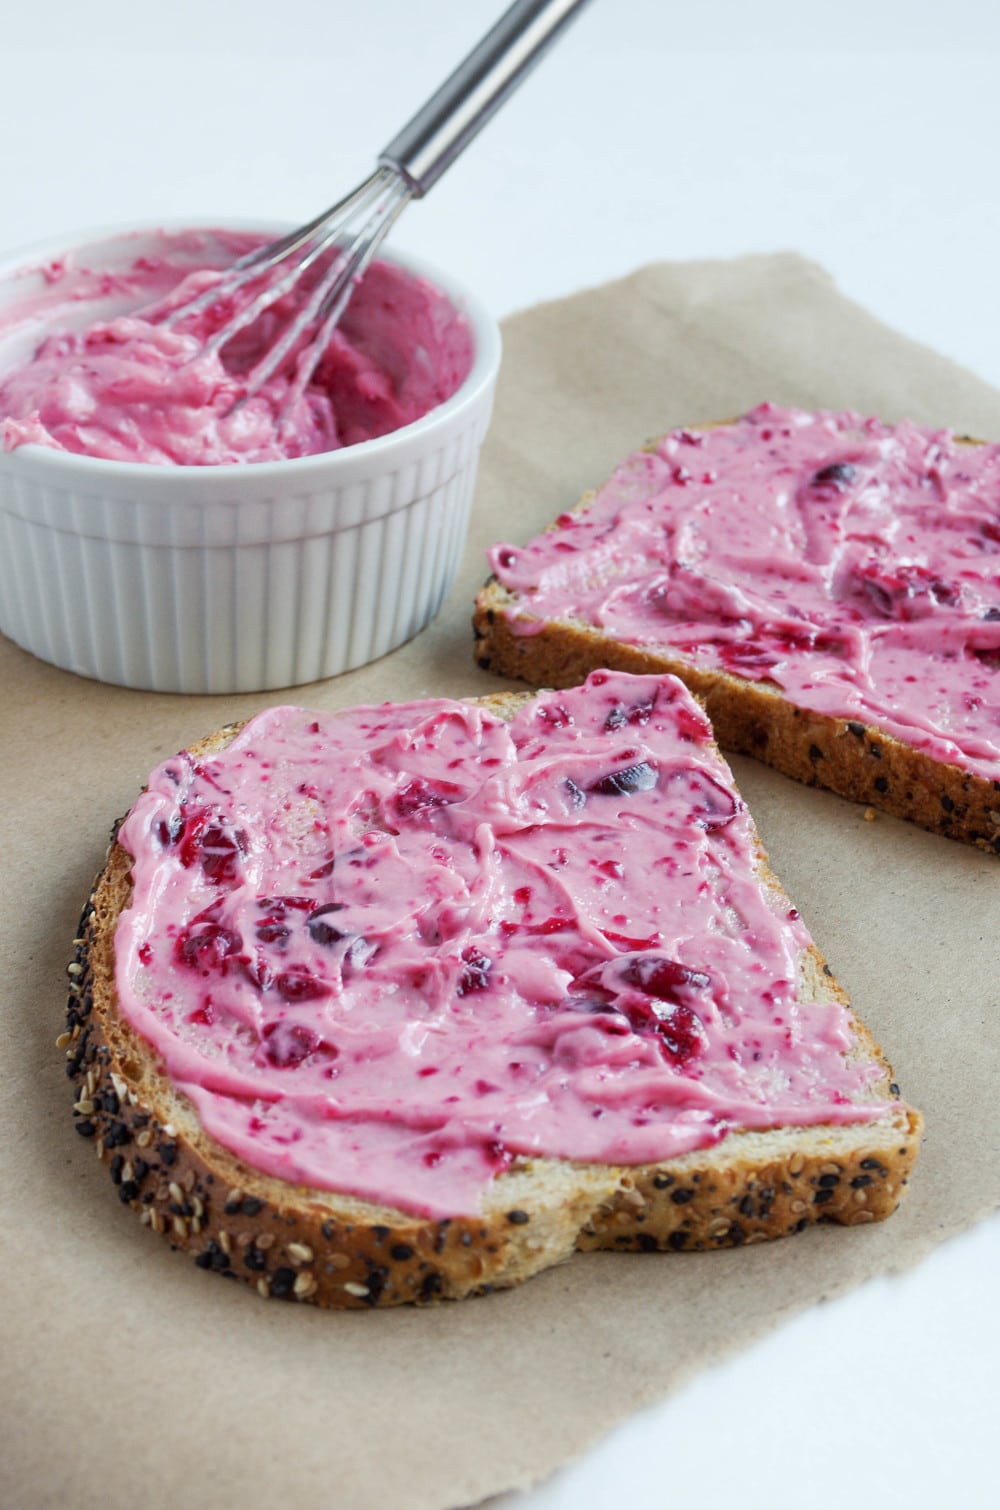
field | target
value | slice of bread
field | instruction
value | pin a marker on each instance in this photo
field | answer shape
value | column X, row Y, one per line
column 858, row 759
column 311, row 1244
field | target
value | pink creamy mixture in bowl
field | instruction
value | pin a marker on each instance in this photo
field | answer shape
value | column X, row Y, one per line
column 127, row 388
column 389, row 950
column 853, row 564
column 156, row 533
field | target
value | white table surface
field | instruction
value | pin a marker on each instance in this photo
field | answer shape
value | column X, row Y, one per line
column 862, row 134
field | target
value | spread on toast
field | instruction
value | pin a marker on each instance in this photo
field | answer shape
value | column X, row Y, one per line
column 395, row 950
column 852, row 565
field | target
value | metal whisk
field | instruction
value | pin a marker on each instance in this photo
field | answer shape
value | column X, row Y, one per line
column 344, row 239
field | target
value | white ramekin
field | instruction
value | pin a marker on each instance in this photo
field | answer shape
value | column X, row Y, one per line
column 232, row 578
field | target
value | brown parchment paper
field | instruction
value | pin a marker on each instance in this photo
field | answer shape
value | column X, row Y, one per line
column 127, row 1376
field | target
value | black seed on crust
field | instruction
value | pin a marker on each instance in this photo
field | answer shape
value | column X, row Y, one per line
column 432, row 1285
column 860, row 1181
column 115, row 1168
column 858, row 730
column 116, row 1135
column 947, row 803
column 681, row 1197
column 380, row 1233
column 255, row 1260
column 128, row 1190
column 400, row 1252
column 86, row 1129
column 663, row 1181
column 483, row 662
column 736, row 1234
column 647, row 1242
column 283, row 1283
column 828, row 1181
column 822, row 1196
column 252, row 1206
column 893, row 1088
column 881, row 784
column 375, row 1280
column 677, row 1241
column 815, row 753
column 212, row 1257
column 800, row 1226
column 168, row 1153
column 328, row 1230
column 518, row 1218
column 876, row 1165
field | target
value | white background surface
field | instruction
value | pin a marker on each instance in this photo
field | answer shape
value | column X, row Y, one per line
column 864, row 135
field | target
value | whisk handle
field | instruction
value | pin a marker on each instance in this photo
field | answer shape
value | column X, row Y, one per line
column 444, row 127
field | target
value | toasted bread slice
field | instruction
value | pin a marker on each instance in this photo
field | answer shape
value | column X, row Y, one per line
column 315, row 1244
column 856, row 758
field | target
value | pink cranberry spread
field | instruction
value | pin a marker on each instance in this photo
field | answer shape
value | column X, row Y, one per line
column 853, row 564
column 386, row 951
column 129, row 388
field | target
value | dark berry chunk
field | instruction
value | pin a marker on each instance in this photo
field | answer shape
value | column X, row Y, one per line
column 359, row 952
column 287, row 1044
column 476, row 969
column 575, row 796
column 836, row 477
column 681, row 1034
column 206, row 945
column 554, row 715
column 711, row 804
column 640, row 777
column 273, row 932
column 296, row 986
column 637, row 713
column 417, row 795
column 167, row 831
column 321, row 930
column 213, row 845
column 663, row 978
column 906, row 591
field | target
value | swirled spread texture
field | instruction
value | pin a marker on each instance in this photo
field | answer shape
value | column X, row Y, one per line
column 131, row 388
column 391, row 950
column 853, row 564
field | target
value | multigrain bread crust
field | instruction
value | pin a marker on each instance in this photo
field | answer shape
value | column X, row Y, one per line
column 295, row 1243
column 858, row 761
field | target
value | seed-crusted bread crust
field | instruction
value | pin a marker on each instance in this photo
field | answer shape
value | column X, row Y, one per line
column 296, row 1243
column 858, row 761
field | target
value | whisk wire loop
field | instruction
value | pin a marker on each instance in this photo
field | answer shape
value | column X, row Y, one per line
column 351, row 231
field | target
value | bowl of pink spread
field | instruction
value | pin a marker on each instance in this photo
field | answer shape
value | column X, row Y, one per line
column 162, row 530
